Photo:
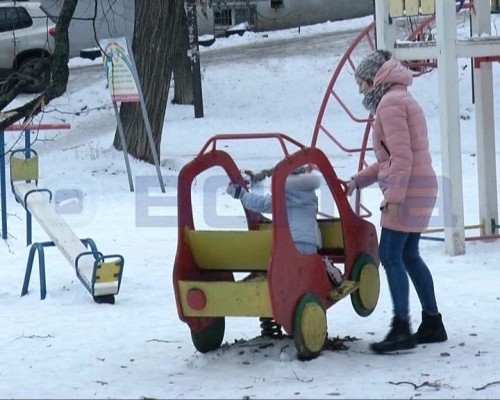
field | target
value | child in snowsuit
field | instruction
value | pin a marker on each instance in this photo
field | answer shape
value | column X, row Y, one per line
column 302, row 208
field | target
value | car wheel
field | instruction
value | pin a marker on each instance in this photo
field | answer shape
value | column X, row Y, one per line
column 211, row 337
column 309, row 327
column 37, row 83
column 365, row 272
column 91, row 53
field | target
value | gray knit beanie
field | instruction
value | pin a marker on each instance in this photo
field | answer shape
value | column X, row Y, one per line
column 369, row 66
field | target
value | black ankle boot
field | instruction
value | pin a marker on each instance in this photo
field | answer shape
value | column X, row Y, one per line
column 399, row 338
column 431, row 330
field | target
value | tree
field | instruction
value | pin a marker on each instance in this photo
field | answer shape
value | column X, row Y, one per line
column 183, row 77
column 160, row 44
column 154, row 47
column 183, row 72
column 60, row 73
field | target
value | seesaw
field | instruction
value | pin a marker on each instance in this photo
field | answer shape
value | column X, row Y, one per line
column 101, row 275
column 292, row 289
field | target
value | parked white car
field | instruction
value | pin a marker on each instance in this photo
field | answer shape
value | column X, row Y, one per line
column 26, row 38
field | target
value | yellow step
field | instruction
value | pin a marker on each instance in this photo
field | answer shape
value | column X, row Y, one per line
column 343, row 290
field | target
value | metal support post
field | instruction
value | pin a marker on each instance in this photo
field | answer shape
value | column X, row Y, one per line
column 485, row 122
column 2, row 185
column 195, row 58
column 450, row 127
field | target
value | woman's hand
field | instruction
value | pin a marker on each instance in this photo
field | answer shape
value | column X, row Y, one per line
column 351, row 186
column 390, row 208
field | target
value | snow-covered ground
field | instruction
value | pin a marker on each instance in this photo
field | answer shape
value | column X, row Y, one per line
column 67, row 346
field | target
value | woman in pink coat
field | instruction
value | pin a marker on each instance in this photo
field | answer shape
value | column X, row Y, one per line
column 408, row 183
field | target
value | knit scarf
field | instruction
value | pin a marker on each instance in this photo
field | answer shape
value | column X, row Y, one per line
column 373, row 97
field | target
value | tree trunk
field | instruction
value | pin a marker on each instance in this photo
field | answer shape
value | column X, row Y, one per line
column 154, row 48
column 183, row 77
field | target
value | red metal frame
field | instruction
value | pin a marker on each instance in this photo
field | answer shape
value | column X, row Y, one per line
column 366, row 35
column 488, row 59
column 291, row 275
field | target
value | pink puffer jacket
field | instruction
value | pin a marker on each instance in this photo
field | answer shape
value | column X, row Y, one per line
column 404, row 169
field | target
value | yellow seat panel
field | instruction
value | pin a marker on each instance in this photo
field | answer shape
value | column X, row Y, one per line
column 23, row 169
column 108, row 272
column 231, row 250
column 331, row 234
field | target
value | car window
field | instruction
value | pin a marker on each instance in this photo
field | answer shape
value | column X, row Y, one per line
column 12, row 18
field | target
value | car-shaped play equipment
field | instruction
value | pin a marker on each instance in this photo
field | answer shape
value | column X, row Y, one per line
column 293, row 289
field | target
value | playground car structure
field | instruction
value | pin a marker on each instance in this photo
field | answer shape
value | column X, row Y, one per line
column 294, row 289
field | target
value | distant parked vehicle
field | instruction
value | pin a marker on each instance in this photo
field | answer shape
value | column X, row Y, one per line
column 238, row 29
column 206, row 40
column 26, row 42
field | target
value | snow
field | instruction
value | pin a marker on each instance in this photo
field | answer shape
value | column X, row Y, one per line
column 68, row 346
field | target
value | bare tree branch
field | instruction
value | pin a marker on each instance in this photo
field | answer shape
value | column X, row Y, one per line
column 436, row 385
column 488, row 384
column 59, row 80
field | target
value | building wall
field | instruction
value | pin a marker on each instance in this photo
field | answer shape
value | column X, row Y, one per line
column 283, row 14
column 115, row 18
column 296, row 13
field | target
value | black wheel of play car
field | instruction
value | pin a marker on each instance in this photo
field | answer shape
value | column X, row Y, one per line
column 210, row 338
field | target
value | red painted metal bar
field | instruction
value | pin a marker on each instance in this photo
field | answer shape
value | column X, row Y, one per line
column 479, row 60
column 346, row 59
column 41, row 127
column 366, row 36
column 281, row 137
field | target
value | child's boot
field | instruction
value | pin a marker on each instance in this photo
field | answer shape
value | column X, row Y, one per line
column 334, row 274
